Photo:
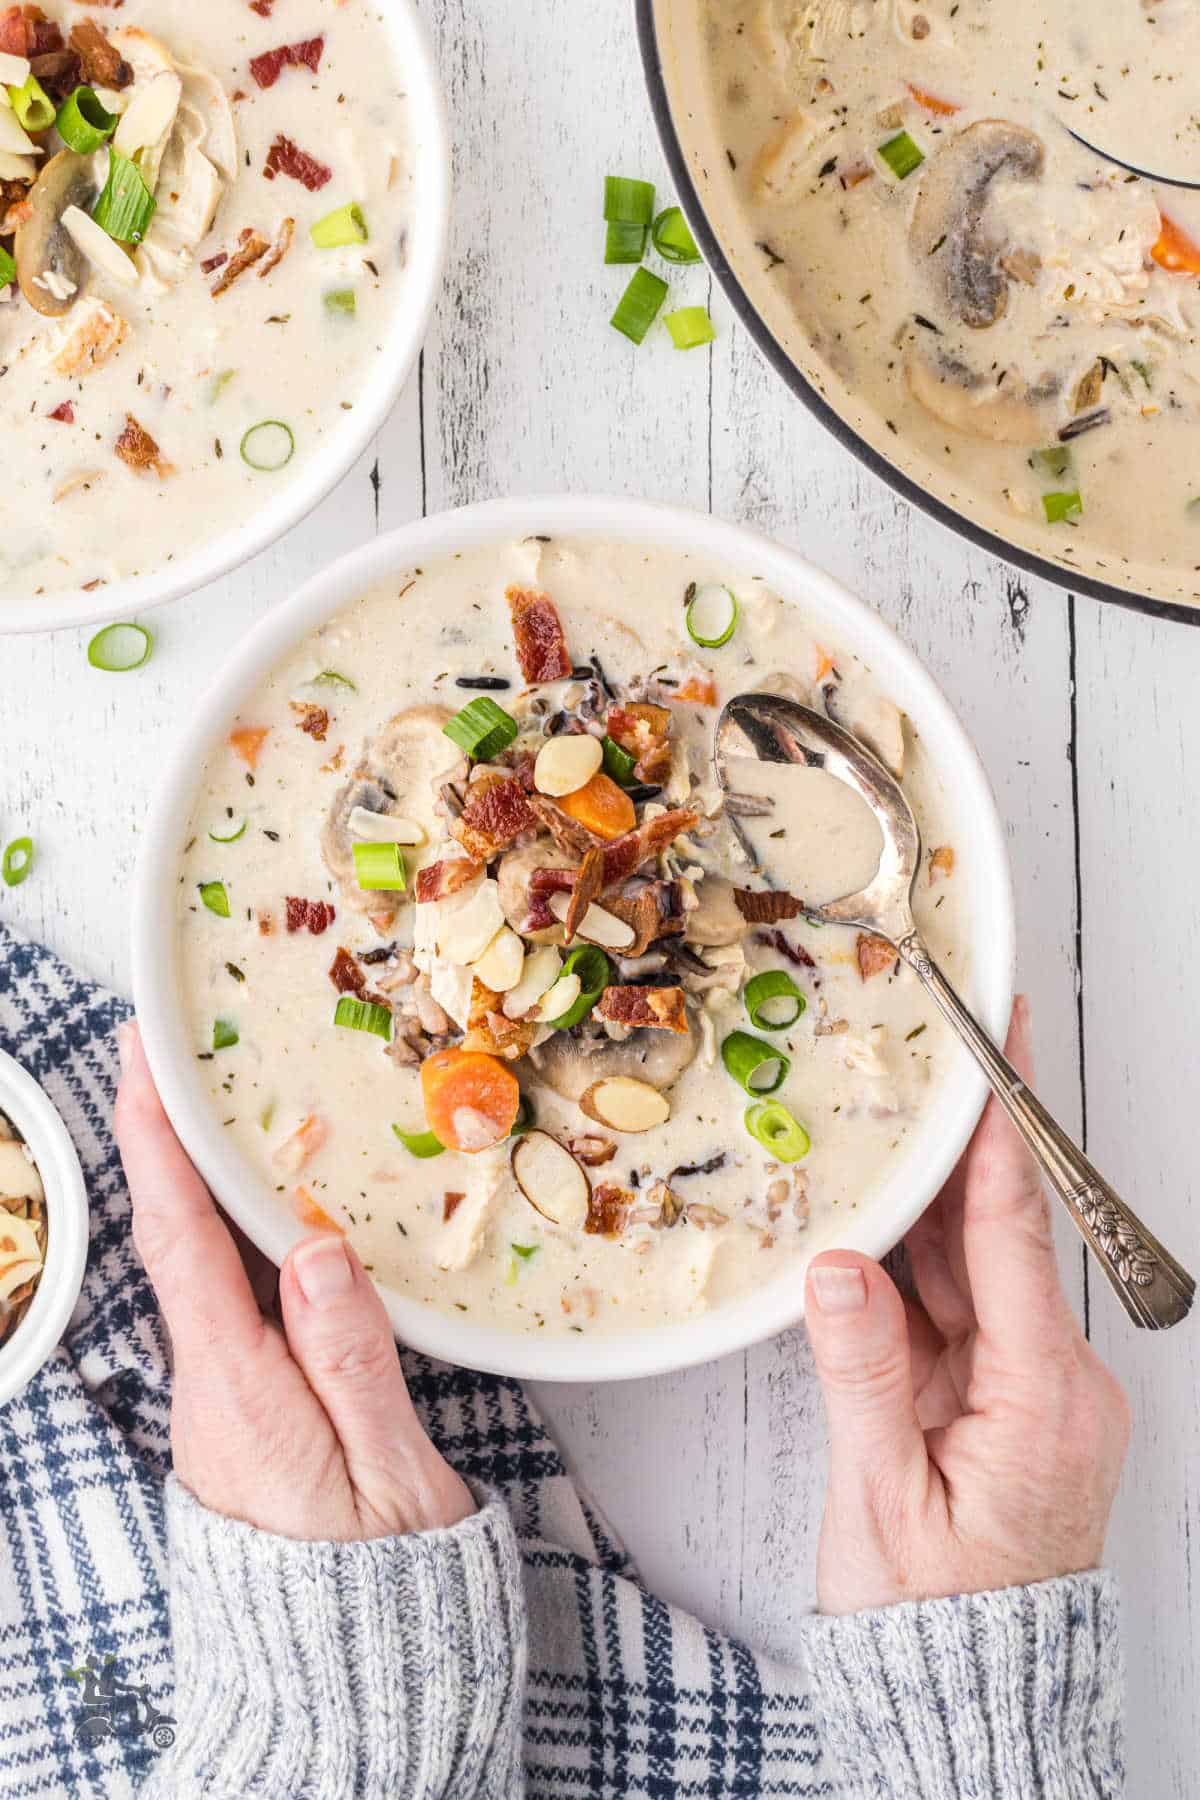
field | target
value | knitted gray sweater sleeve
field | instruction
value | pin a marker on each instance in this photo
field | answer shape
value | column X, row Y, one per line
column 394, row 1667
column 998, row 1696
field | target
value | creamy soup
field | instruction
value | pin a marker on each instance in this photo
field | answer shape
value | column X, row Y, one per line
column 1007, row 305
column 197, row 290
column 564, row 989
column 22, row 1228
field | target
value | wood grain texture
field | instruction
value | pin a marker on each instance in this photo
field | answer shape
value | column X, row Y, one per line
column 1085, row 718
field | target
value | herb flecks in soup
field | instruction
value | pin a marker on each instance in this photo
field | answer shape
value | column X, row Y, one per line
column 202, row 228
column 478, row 973
column 22, row 1228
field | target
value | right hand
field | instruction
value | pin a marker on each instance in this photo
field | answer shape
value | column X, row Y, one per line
column 977, row 1438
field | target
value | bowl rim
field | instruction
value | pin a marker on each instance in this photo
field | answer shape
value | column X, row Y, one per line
column 1074, row 582
column 766, row 1310
column 389, row 372
column 26, row 1103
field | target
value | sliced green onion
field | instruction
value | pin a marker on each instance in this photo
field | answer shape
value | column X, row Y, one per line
column 1062, row 506
column 690, row 327
column 333, row 678
column 618, row 762
column 126, row 205
column 8, row 269
column 379, row 868
column 1055, row 459
column 628, row 202
column 595, row 972
column 269, row 446
column 233, row 837
column 1193, row 507
column 33, row 106
column 482, row 729
column 672, row 239
column 119, row 649
column 345, row 226
column 420, row 1143
column 624, row 243
column 83, row 124
column 17, row 862
column 218, row 384
column 755, row 1066
column 902, row 154
column 266, row 1117
column 213, row 894
column 526, row 1118
column 773, row 1000
column 712, row 616
column 225, row 1034
column 525, row 1251
column 363, row 1015
column 1146, row 371
column 783, row 1136
column 342, row 300
column 639, row 306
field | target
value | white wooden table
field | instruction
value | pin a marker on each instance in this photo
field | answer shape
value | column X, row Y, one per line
column 1086, row 716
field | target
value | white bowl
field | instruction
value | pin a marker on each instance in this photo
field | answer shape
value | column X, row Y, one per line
column 972, row 821
column 27, row 1107
column 346, row 443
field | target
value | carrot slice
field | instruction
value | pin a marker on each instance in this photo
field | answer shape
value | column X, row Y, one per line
column 471, row 1099
column 1175, row 250
column 303, row 1144
column 700, row 688
column 931, row 103
column 602, row 806
column 247, row 741
column 825, row 665
column 310, row 1214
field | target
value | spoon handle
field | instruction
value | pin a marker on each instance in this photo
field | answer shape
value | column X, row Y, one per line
column 1153, row 1288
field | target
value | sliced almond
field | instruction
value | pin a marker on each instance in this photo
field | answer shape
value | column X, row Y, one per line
column 551, row 1179
column 384, row 828
column 597, row 926
column 15, row 1275
column 468, row 921
column 19, row 1180
column 13, row 136
column 99, row 248
column 624, row 1104
column 18, row 1241
column 560, row 998
column 538, row 976
column 502, row 963
column 150, row 114
column 14, row 72
column 565, row 764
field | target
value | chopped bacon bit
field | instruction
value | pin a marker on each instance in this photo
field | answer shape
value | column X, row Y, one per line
column 214, row 262
column 608, row 1209
column 139, row 452
column 875, row 955
column 267, row 68
column 652, row 913
column 315, row 916
column 26, row 31
column 543, row 883
column 286, row 158
column 57, row 69
column 931, row 103
column 588, row 883
column 941, row 860
column 450, row 1205
column 441, row 879
column 660, row 1008
column 763, row 906
column 593, row 1151
column 254, row 248
column 795, row 953
column 490, row 1030
column 303, row 1144
column 65, row 414
column 313, row 719
column 247, row 742
column 14, row 37
column 700, row 688
column 644, row 731
column 568, row 833
column 496, row 813
column 624, row 856
column 100, row 63
column 346, row 975
column 284, row 238
column 537, row 628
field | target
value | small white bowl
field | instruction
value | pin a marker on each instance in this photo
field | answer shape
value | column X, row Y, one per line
column 325, row 468
column 34, row 1340
column 982, row 863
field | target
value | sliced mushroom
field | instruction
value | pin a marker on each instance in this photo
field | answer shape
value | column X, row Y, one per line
column 51, row 268
column 947, row 234
column 513, row 875
column 1005, row 414
column 552, row 1180
column 877, row 722
column 571, row 1065
column 715, row 920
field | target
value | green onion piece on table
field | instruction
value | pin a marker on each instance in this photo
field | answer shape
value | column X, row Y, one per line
column 773, row 1000
column 672, row 238
column 16, row 865
column 781, row 1135
column 712, row 616
column 32, row 105
column 239, row 831
column 333, row 678
column 902, row 154
column 1060, row 507
column 363, row 1015
column 639, row 306
column 345, row 226
column 126, row 205
column 225, row 1034
column 342, row 300
column 595, row 972
column 690, row 327
column 83, row 124
column 618, row 763
column 757, row 1067
column 380, row 868
column 213, row 894
column 269, row 446
column 1055, row 459
column 526, row 1118
column 624, row 243
column 420, row 1143
column 119, row 649
column 628, row 202
column 8, row 269
column 482, row 729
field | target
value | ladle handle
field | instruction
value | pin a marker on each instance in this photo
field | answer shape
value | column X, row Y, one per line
column 1152, row 1287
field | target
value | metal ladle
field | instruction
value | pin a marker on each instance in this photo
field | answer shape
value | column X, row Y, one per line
column 1154, row 1290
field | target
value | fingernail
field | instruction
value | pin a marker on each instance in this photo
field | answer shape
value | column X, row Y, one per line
column 839, row 1290
column 126, row 1043
column 323, row 1271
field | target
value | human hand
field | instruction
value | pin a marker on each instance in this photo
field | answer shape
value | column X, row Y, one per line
column 305, row 1427
column 977, row 1438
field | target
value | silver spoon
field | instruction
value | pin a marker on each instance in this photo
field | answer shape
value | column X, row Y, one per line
column 1154, row 1290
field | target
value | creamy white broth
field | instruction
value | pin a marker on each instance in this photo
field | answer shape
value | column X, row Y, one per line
column 866, row 1055
column 198, row 372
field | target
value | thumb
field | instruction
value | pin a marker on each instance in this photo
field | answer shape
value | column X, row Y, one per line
column 859, row 1333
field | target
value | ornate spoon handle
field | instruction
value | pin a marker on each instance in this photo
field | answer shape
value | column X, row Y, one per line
column 1152, row 1287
